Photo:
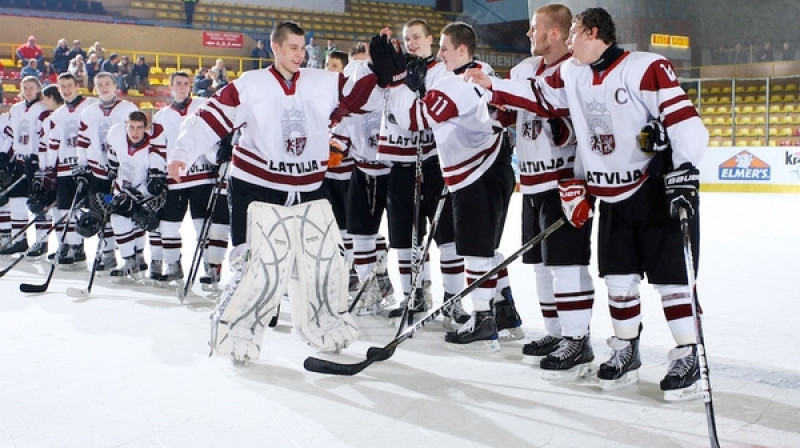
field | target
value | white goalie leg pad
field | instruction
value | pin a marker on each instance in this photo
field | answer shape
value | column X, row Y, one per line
column 251, row 299
column 320, row 293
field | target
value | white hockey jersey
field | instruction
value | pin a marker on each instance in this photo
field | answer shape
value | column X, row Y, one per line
column 170, row 118
column 62, row 136
column 608, row 110
column 96, row 120
column 284, row 143
column 24, row 129
column 397, row 143
column 134, row 161
column 467, row 137
column 541, row 162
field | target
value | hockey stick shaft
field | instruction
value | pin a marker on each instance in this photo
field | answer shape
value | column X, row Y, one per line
column 8, row 189
column 417, row 259
column 30, row 223
column 202, row 237
column 42, row 239
column 701, row 346
column 313, row 364
column 31, row 288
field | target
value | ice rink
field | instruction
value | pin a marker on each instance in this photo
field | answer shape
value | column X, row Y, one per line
column 129, row 366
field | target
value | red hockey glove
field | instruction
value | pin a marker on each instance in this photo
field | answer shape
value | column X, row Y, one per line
column 574, row 203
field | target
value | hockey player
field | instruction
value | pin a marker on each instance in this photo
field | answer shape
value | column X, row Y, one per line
column 357, row 136
column 546, row 152
column 92, row 154
column 62, row 141
column 277, row 169
column 398, row 145
column 22, row 145
column 476, row 166
column 5, row 218
column 192, row 191
column 137, row 163
column 612, row 94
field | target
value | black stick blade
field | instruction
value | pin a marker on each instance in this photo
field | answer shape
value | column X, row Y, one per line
column 317, row 365
column 30, row 288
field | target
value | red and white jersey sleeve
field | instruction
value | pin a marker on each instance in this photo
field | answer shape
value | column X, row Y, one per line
column 96, row 121
column 397, row 143
column 467, row 137
column 284, row 139
column 170, row 118
column 62, row 138
column 24, row 128
column 358, row 135
column 134, row 161
column 541, row 162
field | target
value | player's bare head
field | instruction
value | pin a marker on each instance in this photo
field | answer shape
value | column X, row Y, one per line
column 136, row 125
column 31, row 87
column 599, row 18
column 336, row 61
column 67, row 86
column 460, row 34
column 284, row 29
column 105, row 86
column 359, row 52
column 557, row 16
column 418, row 38
column 52, row 99
column 178, row 75
column 549, row 31
column 180, row 85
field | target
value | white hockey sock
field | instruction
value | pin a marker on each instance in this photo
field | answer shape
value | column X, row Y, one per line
column 547, row 300
column 364, row 255
column 171, row 241
column 156, row 245
column 404, row 266
column 574, row 295
column 677, row 303
column 483, row 294
column 217, row 243
column 624, row 304
column 502, row 277
column 452, row 267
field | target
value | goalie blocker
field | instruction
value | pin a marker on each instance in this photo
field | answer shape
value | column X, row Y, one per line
column 298, row 247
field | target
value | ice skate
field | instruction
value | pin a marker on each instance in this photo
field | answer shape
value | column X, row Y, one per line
column 622, row 369
column 353, row 283
column 37, row 251
column 419, row 305
column 682, row 381
column 156, row 268
column 532, row 351
column 478, row 335
column 62, row 257
column 509, row 323
column 129, row 272
column 371, row 301
column 387, row 290
column 140, row 259
column 78, row 258
column 454, row 315
column 210, row 281
column 571, row 359
column 5, row 238
column 17, row 247
column 106, row 263
column 173, row 278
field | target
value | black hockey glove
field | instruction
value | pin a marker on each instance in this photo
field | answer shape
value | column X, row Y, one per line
column 123, row 204
column 39, row 202
column 416, row 69
column 225, row 150
column 562, row 131
column 81, row 175
column 101, row 203
column 681, row 190
column 32, row 166
column 44, row 181
column 156, row 181
column 653, row 137
column 387, row 63
column 4, row 161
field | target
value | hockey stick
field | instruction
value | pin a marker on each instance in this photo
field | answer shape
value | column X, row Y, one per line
column 42, row 239
column 373, row 274
column 101, row 242
column 701, row 345
column 30, row 223
column 8, row 189
column 317, row 365
column 204, row 230
column 31, row 288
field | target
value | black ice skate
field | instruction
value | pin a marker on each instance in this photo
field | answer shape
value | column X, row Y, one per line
column 17, row 247
column 571, row 359
column 210, row 281
column 682, row 380
column 622, row 368
column 106, row 263
column 128, row 273
column 419, row 305
column 539, row 347
column 78, row 256
column 37, row 251
column 63, row 257
column 478, row 335
column 509, row 323
column 454, row 315
column 156, row 268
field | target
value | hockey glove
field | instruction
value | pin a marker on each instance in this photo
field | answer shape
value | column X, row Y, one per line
column 44, row 181
column 653, row 137
column 562, row 131
column 32, row 165
column 81, row 175
column 225, row 150
column 123, row 204
column 101, row 203
column 156, row 181
column 576, row 206
column 335, row 155
column 681, row 190
column 38, row 203
column 4, row 161
column 88, row 223
column 416, row 69
column 387, row 63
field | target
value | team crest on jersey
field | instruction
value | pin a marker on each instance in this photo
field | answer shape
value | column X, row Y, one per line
column 103, row 133
column 598, row 118
column 294, row 130
column 371, row 128
column 531, row 127
column 71, row 133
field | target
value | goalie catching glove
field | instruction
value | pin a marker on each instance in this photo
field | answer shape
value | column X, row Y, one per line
column 388, row 64
column 574, row 203
column 681, row 190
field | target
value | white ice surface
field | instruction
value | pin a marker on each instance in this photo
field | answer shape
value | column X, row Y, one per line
column 128, row 366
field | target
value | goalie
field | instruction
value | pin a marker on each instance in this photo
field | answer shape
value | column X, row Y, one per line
column 281, row 222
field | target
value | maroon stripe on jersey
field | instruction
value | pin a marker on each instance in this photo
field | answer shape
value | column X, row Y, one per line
column 480, row 155
column 359, row 94
column 228, row 96
column 663, row 106
column 212, row 122
column 517, row 101
column 250, row 154
column 555, row 80
column 679, row 115
column 261, row 173
column 615, row 191
column 288, row 87
column 576, row 305
column 192, row 177
column 659, row 75
column 440, row 107
column 537, row 179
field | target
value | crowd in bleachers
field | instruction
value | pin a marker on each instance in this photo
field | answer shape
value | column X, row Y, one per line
column 753, row 53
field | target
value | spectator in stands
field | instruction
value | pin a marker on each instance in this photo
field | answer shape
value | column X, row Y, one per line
column 110, row 66
column 98, row 49
column 330, row 48
column 219, row 72
column 61, row 56
column 738, row 55
column 76, row 50
column 766, row 54
column 188, row 7
column 313, row 54
column 30, row 50
column 49, row 73
column 31, row 69
column 719, row 56
column 140, row 74
column 93, row 67
column 77, row 67
column 124, row 75
column 260, row 54
column 202, row 83
column 216, row 82
column 787, row 52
